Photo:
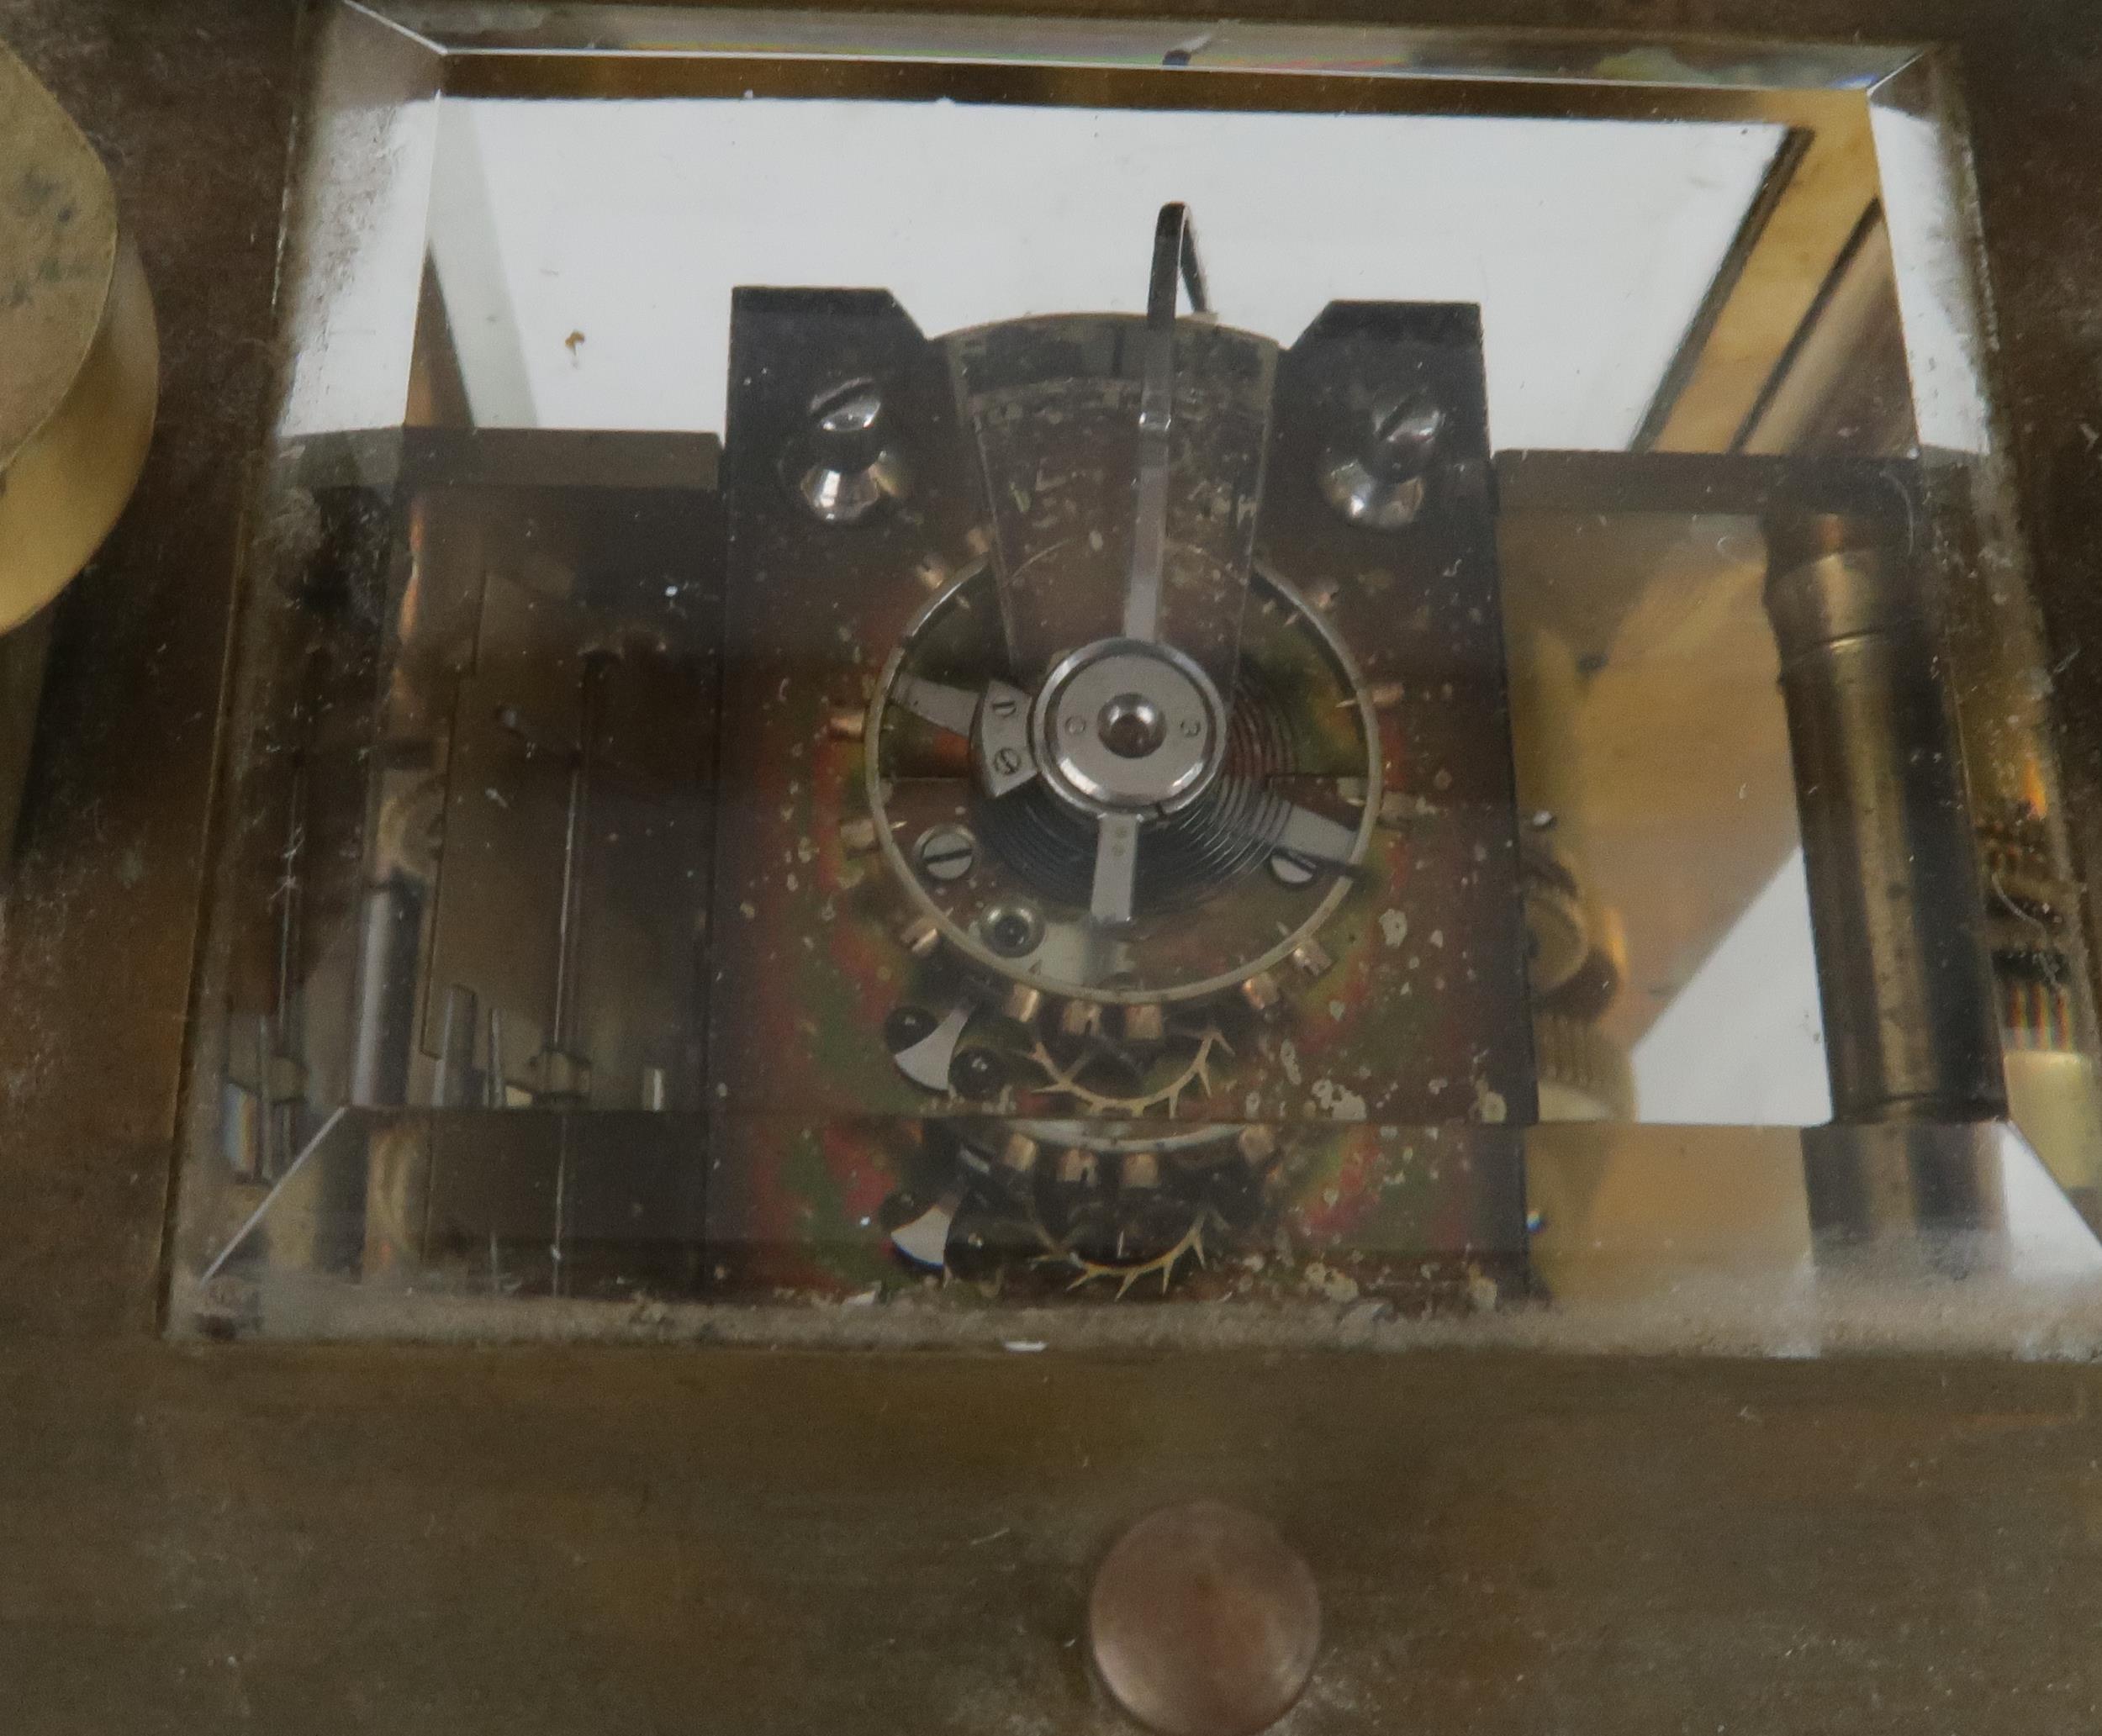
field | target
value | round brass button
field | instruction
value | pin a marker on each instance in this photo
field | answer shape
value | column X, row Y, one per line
column 1204, row 1622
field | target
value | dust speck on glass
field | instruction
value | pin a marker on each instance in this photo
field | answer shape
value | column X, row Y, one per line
column 918, row 681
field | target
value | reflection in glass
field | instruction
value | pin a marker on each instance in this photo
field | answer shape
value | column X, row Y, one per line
column 1127, row 683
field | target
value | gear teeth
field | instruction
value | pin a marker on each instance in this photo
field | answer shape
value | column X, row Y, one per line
column 1584, row 1076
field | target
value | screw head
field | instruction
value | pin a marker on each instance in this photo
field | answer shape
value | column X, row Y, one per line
column 1131, row 727
column 1290, row 870
column 946, row 852
column 843, row 464
column 846, row 411
column 977, row 1074
column 906, row 1025
column 1012, row 931
column 1374, row 475
column 1405, row 431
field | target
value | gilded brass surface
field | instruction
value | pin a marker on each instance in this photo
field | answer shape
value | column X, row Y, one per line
column 76, row 394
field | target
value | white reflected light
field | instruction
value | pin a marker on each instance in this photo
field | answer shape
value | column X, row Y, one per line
column 611, row 234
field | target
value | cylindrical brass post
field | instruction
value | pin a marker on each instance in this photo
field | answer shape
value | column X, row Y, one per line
column 1906, row 1174
column 1911, row 1029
